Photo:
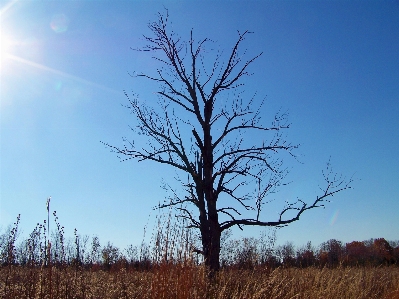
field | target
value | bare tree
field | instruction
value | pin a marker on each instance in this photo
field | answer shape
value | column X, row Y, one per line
column 204, row 127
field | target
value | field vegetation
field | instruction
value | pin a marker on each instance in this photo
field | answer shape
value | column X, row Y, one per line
column 49, row 266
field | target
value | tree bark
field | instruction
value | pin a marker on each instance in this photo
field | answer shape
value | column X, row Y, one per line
column 212, row 248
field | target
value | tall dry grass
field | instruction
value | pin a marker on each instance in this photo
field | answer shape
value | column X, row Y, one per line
column 170, row 270
column 190, row 281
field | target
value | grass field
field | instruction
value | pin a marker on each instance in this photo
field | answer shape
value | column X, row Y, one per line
column 37, row 268
column 189, row 281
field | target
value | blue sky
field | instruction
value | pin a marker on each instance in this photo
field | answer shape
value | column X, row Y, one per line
column 64, row 65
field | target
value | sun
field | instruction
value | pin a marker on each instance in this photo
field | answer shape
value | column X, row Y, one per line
column 5, row 40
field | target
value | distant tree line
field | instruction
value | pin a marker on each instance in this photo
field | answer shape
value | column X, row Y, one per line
column 172, row 245
column 250, row 252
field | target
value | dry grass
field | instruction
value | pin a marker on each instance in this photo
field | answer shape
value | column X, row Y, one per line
column 189, row 281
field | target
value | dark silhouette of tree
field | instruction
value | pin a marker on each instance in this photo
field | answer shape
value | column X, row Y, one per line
column 305, row 257
column 334, row 250
column 286, row 254
column 356, row 253
column 205, row 128
column 396, row 255
column 382, row 252
column 110, row 255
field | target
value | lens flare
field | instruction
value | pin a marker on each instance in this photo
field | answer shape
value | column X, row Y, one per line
column 334, row 217
column 7, row 7
column 59, row 23
column 61, row 73
column 58, row 85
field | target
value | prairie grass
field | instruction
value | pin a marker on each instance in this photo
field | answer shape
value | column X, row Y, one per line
column 41, row 269
column 190, row 281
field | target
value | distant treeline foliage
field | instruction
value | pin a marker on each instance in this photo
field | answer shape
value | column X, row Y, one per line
column 176, row 246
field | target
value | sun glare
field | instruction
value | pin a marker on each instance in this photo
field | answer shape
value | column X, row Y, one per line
column 7, row 7
column 5, row 40
column 5, row 47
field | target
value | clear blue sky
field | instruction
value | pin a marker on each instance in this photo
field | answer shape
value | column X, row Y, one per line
column 64, row 65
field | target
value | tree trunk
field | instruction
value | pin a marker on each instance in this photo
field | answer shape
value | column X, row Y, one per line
column 214, row 232
column 211, row 242
column 212, row 248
